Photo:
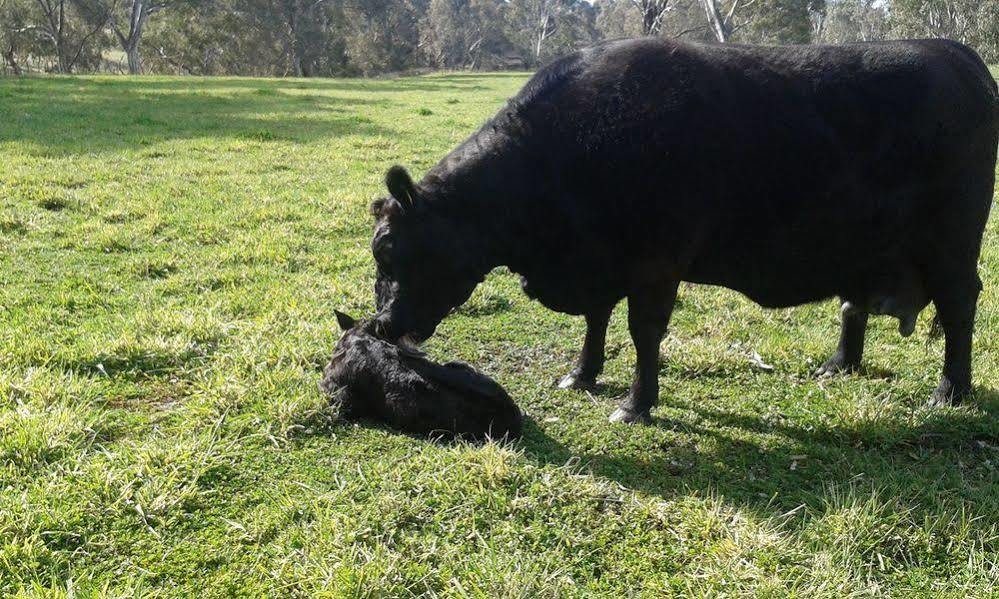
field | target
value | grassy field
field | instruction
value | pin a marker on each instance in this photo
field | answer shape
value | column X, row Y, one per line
column 171, row 252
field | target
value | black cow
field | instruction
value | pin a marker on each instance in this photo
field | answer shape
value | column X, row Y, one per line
column 791, row 174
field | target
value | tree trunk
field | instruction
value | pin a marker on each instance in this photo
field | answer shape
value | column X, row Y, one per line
column 292, row 10
column 718, row 25
column 138, row 14
column 546, row 28
column 8, row 55
column 64, row 66
column 134, row 59
column 55, row 17
column 648, row 19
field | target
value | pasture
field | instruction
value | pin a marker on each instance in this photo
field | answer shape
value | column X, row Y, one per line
column 171, row 252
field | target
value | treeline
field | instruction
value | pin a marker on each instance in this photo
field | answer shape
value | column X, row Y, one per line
column 368, row 37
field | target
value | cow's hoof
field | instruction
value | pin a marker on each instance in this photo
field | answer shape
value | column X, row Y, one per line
column 629, row 417
column 574, row 380
column 939, row 400
column 835, row 366
column 946, row 394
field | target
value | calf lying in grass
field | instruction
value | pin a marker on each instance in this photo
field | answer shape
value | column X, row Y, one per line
column 372, row 378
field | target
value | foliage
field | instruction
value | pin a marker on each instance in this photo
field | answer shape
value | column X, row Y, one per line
column 853, row 21
column 464, row 34
column 546, row 29
column 171, row 253
column 67, row 36
column 780, row 21
column 332, row 38
column 973, row 22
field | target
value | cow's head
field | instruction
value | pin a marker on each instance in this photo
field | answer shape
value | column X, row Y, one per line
column 426, row 263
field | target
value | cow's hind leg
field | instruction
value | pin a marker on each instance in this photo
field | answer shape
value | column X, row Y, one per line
column 648, row 316
column 591, row 359
column 956, row 303
column 851, row 343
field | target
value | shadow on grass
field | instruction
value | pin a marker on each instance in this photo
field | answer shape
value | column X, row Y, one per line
column 66, row 116
column 136, row 364
column 945, row 456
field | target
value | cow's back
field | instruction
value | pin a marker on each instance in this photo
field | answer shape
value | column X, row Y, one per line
column 750, row 166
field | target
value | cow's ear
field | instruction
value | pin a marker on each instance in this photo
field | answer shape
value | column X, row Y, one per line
column 346, row 322
column 401, row 186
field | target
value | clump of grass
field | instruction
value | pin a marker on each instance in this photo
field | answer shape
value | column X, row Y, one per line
column 261, row 135
column 13, row 225
column 145, row 120
column 112, row 241
column 46, row 198
column 155, row 268
column 424, row 112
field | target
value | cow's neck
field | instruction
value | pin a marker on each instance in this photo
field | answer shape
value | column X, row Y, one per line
column 483, row 190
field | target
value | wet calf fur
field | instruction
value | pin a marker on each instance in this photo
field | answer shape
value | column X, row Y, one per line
column 371, row 378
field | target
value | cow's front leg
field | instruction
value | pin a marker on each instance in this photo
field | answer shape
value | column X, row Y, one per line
column 851, row 342
column 591, row 359
column 648, row 317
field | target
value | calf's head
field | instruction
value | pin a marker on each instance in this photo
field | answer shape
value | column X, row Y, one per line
column 427, row 263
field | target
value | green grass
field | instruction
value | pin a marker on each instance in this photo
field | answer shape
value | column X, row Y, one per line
column 171, row 252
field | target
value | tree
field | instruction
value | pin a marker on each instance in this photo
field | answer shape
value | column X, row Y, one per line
column 209, row 38
column 70, row 32
column 13, row 27
column 779, row 21
column 721, row 25
column 544, row 29
column 366, row 37
column 463, row 33
column 128, row 26
column 382, row 35
column 303, row 25
column 127, row 20
column 853, row 21
column 446, row 37
column 973, row 22
column 653, row 13
column 617, row 19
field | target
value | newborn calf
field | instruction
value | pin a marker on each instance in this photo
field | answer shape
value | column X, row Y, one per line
column 372, row 378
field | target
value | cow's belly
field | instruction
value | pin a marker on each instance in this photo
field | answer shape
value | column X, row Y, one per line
column 859, row 263
column 571, row 292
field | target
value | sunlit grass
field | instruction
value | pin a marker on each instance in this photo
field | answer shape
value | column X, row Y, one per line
column 171, row 252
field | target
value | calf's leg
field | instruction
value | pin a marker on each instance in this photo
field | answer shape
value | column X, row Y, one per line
column 956, row 304
column 851, row 343
column 591, row 359
column 648, row 316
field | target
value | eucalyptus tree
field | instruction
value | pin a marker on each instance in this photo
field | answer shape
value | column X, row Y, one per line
column 544, row 29
column 73, row 35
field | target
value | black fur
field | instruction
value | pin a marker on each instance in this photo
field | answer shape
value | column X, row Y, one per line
column 371, row 378
column 791, row 174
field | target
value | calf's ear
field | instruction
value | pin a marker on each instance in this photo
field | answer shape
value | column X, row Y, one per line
column 346, row 322
column 401, row 186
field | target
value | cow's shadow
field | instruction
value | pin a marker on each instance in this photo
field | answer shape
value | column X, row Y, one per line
column 942, row 454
